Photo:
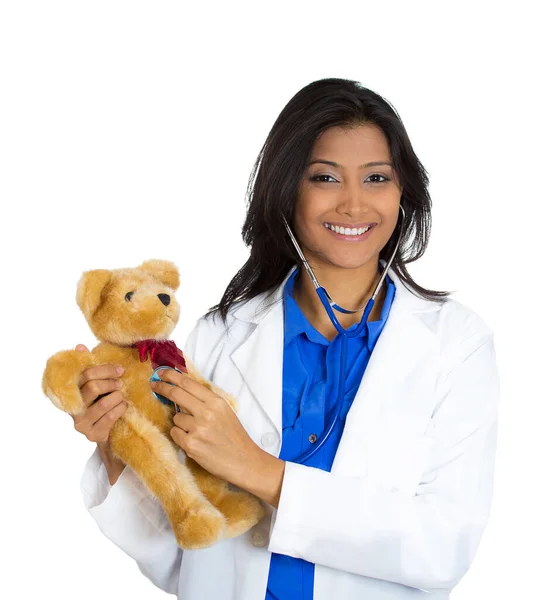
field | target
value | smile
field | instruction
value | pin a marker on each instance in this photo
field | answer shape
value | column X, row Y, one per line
column 349, row 234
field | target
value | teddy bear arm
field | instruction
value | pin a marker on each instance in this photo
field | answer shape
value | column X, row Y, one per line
column 61, row 377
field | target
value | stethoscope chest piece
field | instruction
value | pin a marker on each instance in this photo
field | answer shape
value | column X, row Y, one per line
column 156, row 377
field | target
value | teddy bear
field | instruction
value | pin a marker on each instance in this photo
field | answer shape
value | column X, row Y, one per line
column 132, row 312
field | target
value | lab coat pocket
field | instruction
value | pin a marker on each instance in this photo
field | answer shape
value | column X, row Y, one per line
column 399, row 454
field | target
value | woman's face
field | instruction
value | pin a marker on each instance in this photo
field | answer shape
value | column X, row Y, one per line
column 339, row 191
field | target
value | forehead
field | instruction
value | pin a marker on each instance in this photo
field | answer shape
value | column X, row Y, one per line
column 123, row 277
column 352, row 146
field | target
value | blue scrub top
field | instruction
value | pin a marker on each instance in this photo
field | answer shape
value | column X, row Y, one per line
column 310, row 387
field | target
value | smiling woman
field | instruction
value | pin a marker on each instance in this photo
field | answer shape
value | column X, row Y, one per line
column 337, row 154
column 395, row 414
column 345, row 214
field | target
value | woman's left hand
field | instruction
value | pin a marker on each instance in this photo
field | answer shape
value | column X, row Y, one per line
column 211, row 433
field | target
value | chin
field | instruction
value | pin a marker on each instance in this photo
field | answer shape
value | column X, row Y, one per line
column 353, row 262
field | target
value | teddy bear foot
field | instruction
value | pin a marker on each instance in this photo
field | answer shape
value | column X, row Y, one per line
column 200, row 528
column 242, row 511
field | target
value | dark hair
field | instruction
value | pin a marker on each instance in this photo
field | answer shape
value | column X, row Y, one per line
column 273, row 186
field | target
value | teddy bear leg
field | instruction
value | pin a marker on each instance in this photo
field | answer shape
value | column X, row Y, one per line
column 61, row 377
column 144, row 448
column 241, row 509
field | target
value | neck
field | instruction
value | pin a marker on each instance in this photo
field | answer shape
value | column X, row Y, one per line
column 349, row 288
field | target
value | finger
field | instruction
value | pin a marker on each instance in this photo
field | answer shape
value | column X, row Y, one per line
column 172, row 376
column 94, row 389
column 184, row 421
column 178, row 396
column 108, row 371
column 100, row 432
column 81, row 348
column 197, row 390
column 180, row 437
column 85, row 421
column 98, row 410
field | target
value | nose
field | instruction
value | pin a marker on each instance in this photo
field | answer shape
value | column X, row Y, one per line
column 353, row 200
column 165, row 299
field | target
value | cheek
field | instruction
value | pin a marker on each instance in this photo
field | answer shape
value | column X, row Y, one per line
column 302, row 227
column 300, row 217
column 309, row 210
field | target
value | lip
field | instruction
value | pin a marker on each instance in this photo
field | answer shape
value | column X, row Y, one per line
column 351, row 238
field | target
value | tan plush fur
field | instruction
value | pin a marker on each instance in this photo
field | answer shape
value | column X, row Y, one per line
column 201, row 508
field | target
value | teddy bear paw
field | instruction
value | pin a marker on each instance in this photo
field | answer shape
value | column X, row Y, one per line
column 200, row 528
column 60, row 379
column 242, row 511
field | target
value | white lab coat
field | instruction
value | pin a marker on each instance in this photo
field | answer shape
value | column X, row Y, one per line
column 408, row 496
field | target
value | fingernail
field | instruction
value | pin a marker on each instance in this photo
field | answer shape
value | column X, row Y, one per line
column 118, row 383
column 160, row 373
column 120, row 370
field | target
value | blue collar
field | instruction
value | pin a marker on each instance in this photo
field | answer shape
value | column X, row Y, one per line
column 296, row 322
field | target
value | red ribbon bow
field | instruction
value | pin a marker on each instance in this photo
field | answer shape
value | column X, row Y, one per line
column 163, row 353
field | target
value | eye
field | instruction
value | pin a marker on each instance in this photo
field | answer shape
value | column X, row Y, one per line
column 316, row 178
column 378, row 175
column 128, row 296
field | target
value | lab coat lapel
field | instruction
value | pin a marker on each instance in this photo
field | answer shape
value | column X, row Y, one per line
column 259, row 358
column 403, row 345
column 404, row 341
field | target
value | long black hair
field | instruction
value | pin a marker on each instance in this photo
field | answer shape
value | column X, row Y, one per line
column 273, row 186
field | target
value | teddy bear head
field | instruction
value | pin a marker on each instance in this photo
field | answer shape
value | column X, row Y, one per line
column 124, row 306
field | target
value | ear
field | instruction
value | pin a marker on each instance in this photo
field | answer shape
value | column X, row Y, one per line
column 90, row 288
column 163, row 270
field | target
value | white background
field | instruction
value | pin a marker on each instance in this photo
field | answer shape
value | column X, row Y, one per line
column 128, row 131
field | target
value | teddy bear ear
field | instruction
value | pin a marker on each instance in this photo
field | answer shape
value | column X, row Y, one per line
column 90, row 289
column 164, row 270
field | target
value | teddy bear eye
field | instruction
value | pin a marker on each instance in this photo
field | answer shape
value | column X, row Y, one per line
column 128, row 296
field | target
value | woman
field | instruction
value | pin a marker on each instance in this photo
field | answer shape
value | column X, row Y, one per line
column 394, row 502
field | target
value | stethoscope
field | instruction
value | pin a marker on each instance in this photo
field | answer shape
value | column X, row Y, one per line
column 156, row 377
column 329, row 304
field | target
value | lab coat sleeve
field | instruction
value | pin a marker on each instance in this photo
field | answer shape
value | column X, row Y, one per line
column 426, row 539
column 132, row 518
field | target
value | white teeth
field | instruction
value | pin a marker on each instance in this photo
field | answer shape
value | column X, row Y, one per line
column 346, row 230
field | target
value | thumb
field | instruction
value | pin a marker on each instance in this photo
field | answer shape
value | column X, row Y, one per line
column 81, row 348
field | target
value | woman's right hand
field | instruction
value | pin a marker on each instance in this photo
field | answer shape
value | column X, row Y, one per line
column 98, row 418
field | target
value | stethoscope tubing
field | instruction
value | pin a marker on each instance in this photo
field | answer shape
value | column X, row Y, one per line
column 329, row 304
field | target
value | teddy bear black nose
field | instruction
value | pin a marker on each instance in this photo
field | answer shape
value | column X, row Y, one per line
column 165, row 299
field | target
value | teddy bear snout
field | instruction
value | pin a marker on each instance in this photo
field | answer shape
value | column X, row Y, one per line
column 165, row 299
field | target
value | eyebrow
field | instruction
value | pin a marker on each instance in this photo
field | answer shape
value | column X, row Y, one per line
column 334, row 164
